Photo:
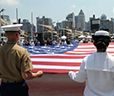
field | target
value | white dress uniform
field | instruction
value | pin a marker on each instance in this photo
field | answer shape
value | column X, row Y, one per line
column 98, row 70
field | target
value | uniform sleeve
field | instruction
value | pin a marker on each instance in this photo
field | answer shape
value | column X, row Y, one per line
column 26, row 64
column 79, row 76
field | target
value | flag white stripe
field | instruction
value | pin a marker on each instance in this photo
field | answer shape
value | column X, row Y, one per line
column 81, row 52
column 56, row 60
column 57, row 55
column 83, row 46
column 89, row 50
column 87, row 54
column 55, row 67
column 84, row 50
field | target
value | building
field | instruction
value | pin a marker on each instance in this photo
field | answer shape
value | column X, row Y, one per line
column 76, row 21
column 45, row 32
column 69, row 22
column 44, row 21
column 81, row 21
column 107, row 25
column 59, row 24
column 6, row 18
column 98, row 24
column 6, row 21
column 103, row 17
column 71, row 17
column 27, row 27
column 87, row 24
column 94, row 24
column 112, row 19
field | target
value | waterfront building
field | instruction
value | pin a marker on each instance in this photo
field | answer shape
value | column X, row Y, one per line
column 103, row 17
column 87, row 24
column 97, row 24
column 69, row 22
column 81, row 21
column 6, row 18
column 112, row 19
column 44, row 21
column 94, row 24
column 76, row 21
column 26, row 25
column 27, row 28
column 107, row 25
column 59, row 24
column 45, row 32
column 6, row 21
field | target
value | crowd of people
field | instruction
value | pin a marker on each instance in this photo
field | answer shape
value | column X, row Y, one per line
column 53, row 42
column 57, row 41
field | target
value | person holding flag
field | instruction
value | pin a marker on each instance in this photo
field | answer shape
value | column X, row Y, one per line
column 15, row 65
column 97, row 68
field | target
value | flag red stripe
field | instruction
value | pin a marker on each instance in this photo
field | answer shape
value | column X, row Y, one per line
column 91, row 48
column 86, row 48
column 59, row 57
column 83, row 44
column 91, row 51
column 56, row 63
column 87, row 44
column 53, row 70
column 68, row 53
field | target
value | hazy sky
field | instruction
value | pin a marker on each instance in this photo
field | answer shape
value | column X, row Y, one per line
column 57, row 9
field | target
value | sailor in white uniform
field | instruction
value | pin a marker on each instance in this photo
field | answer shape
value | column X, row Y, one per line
column 97, row 69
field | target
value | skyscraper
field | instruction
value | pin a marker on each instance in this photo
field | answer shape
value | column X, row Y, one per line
column 107, row 24
column 76, row 21
column 27, row 27
column 44, row 21
column 6, row 18
column 59, row 24
column 112, row 19
column 69, row 22
column 81, row 21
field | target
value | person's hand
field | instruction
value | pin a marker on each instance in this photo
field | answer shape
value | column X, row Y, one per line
column 39, row 74
column 70, row 73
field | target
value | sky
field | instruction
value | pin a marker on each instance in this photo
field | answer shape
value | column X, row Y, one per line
column 56, row 9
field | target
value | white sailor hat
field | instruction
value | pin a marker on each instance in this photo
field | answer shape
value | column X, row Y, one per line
column 101, row 33
column 12, row 28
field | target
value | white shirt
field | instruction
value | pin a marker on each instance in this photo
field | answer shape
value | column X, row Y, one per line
column 32, row 43
column 74, row 41
column 81, row 41
column 20, row 43
column 98, row 70
column 64, row 43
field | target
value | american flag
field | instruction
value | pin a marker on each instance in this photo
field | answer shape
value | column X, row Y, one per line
column 68, row 61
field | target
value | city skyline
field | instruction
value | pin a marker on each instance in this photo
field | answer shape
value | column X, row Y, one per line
column 56, row 9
